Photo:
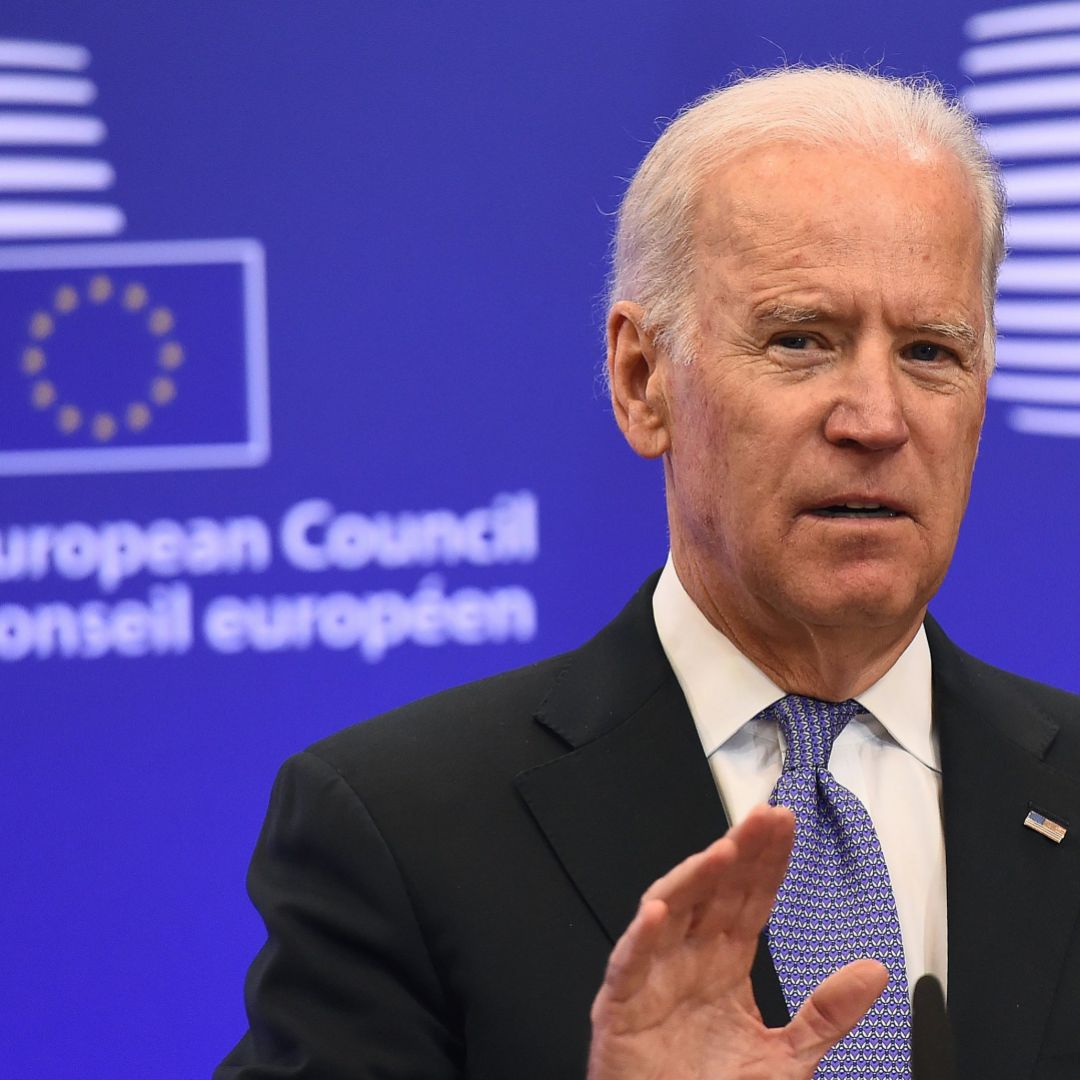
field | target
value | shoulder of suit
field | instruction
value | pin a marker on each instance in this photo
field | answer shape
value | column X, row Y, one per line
column 1060, row 702
column 491, row 724
column 1027, row 710
column 449, row 717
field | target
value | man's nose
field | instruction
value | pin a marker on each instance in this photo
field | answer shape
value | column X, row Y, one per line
column 868, row 409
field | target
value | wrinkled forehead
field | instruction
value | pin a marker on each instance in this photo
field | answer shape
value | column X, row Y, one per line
column 818, row 184
column 806, row 210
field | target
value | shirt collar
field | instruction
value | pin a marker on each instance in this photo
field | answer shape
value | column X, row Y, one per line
column 724, row 689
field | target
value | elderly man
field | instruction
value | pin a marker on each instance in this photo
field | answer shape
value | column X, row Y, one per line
column 800, row 330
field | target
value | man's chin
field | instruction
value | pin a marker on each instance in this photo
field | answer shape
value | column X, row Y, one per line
column 864, row 607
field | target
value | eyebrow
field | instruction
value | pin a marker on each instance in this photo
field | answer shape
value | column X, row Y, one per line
column 788, row 313
column 960, row 332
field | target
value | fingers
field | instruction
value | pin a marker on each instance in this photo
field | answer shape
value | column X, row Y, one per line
column 688, row 952
column 762, row 849
column 631, row 960
column 835, row 1007
column 730, row 887
column 749, row 859
column 726, row 890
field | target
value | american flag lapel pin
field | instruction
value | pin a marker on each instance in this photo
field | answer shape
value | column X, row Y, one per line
column 1049, row 828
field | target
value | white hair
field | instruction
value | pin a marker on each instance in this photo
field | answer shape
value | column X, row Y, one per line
column 652, row 252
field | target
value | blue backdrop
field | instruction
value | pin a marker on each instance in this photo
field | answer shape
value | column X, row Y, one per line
column 299, row 418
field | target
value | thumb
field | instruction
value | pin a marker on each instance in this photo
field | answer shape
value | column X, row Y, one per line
column 835, row 1007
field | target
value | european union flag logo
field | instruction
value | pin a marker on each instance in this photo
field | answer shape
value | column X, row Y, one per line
column 133, row 356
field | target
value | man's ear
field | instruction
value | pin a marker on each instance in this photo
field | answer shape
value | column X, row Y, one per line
column 636, row 372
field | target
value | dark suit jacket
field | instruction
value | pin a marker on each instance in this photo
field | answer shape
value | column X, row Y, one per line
column 442, row 885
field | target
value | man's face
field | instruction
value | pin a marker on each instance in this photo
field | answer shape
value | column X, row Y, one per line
column 820, row 445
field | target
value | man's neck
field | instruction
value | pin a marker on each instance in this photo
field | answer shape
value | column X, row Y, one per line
column 831, row 662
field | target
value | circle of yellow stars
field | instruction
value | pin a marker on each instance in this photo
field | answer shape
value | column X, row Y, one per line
column 137, row 414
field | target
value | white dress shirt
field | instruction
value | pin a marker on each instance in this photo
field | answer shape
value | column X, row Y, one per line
column 887, row 756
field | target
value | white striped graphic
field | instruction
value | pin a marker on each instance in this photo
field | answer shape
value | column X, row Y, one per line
column 54, row 174
column 1048, row 316
column 1044, row 138
column 50, row 129
column 46, row 90
column 1024, row 95
column 1019, row 352
column 1039, row 54
column 22, row 220
column 1053, row 274
column 1024, row 19
column 1041, row 374
column 1036, row 184
column 49, row 55
column 1033, row 421
column 1049, row 230
column 1044, row 389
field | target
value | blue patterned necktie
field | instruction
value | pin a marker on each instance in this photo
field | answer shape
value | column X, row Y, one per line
column 836, row 903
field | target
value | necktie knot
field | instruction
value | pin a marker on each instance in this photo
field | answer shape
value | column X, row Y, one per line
column 810, row 727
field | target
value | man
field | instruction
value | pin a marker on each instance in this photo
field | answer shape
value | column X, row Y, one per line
column 800, row 330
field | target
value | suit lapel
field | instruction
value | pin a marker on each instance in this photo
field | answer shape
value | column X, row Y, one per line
column 623, row 809
column 634, row 795
column 1013, row 895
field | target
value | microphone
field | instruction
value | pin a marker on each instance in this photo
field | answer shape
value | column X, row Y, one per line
column 932, row 1055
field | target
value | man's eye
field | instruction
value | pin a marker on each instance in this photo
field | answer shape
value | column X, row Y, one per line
column 927, row 352
column 794, row 341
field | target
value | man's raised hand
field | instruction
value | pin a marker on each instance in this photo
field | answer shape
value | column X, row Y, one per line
column 676, row 1002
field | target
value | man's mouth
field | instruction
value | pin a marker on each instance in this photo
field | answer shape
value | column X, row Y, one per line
column 856, row 510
